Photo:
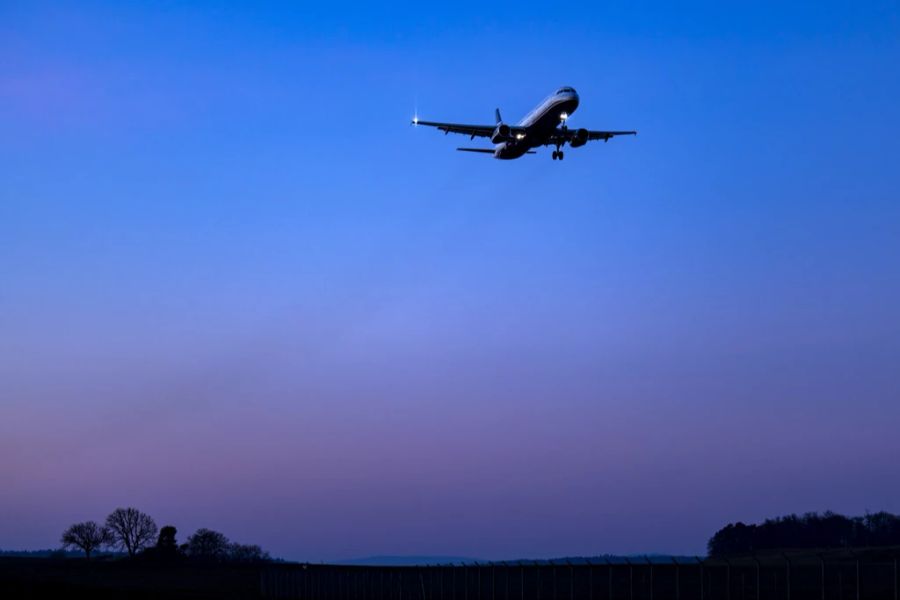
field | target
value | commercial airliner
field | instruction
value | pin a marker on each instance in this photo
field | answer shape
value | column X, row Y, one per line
column 544, row 126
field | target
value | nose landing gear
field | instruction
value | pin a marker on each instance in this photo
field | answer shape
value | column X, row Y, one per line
column 558, row 153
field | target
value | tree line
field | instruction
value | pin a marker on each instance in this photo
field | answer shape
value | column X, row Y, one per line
column 131, row 531
column 811, row 530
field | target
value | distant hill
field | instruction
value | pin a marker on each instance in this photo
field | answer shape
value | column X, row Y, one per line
column 407, row 561
column 56, row 553
column 51, row 553
column 615, row 559
column 413, row 561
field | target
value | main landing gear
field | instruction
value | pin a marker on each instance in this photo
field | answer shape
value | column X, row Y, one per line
column 558, row 155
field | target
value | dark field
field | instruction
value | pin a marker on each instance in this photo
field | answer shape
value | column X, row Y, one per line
column 828, row 575
column 123, row 579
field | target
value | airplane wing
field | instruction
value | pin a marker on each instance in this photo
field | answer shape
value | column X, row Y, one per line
column 582, row 136
column 605, row 135
column 472, row 131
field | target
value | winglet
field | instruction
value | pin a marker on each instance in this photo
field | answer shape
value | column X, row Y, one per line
column 497, row 116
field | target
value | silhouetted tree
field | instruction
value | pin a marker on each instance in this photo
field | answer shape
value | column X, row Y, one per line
column 812, row 530
column 166, row 543
column 88, row 536
column 207, row 544
column 131, row 529
column 247, row 553
column 166, row 548
column 882, row 528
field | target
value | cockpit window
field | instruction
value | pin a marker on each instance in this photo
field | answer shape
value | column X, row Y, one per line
column 565, row 90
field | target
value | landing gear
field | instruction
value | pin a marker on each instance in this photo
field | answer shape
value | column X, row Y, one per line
column 558, row 154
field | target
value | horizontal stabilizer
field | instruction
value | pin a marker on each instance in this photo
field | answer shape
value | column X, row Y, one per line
column 484, row 150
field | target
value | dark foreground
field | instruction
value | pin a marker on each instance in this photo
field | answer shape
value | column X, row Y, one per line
column 122, row 579
column 825, row 575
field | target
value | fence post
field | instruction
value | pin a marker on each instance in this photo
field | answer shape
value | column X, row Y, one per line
column 788, row 561
column 506, row 570
column 554, row 580
column 522, row 580
column 571, row 581
column 493, row 582
column 822, row 564
column 677, row 578
column 609, row 575
column 700, row 562
column 591, row 579
column 478, row 571
column 727, row 578
column 630, row 579
column 650, row 566
column 756, row 560
column 465, row 582
column 896, row 584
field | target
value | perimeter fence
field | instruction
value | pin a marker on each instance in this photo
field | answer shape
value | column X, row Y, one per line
column 826, row 575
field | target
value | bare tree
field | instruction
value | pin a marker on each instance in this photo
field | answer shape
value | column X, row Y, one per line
column 131, row 529
column 88, row 536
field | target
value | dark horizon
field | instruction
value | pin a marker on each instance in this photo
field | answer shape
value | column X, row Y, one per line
column 118, row 537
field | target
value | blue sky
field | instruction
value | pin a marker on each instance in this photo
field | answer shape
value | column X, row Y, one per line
column 237, row 285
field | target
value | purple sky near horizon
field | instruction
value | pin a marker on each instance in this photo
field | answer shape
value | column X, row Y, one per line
column 237, row 291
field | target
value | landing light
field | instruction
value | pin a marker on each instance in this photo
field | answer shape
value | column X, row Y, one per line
column 520, row 136
column 563, row 116
column 416, row 120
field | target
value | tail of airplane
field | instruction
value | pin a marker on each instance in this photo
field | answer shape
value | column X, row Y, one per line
column 497, row 116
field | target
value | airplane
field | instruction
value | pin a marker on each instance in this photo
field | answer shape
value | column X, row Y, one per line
column 543, row 126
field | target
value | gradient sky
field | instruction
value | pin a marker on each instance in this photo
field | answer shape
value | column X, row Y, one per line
column 238, row 291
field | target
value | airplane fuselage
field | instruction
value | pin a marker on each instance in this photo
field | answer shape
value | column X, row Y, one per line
column 539, row 124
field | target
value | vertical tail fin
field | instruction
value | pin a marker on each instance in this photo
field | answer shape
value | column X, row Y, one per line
column 497, row 116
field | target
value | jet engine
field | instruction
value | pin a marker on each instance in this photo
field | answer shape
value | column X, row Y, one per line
column 579, row 139
column 501, row 134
